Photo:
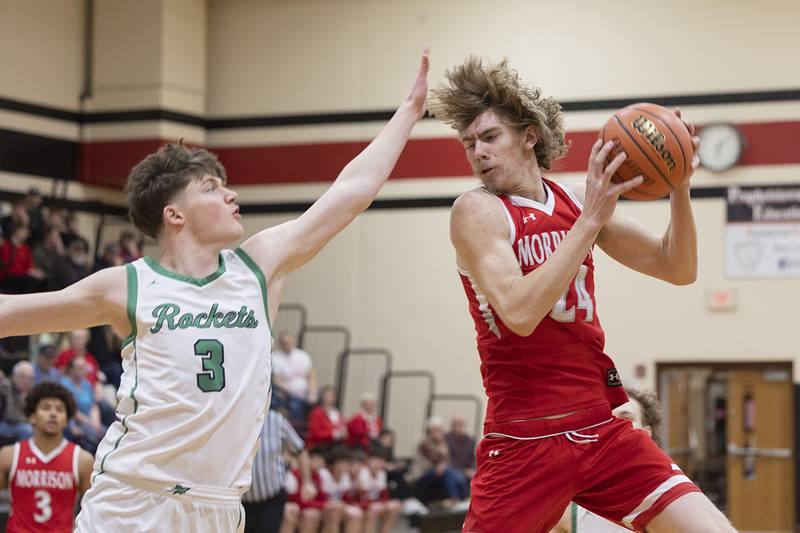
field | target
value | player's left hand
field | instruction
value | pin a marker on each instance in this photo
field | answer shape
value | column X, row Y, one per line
column 419, row 90
column 695, row 143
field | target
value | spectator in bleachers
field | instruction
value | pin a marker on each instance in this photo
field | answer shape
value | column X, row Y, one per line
column 432, row 470
column 86, row 428
column 48, row 256
column 379, row 507
column 33, row 204
column 395, row 469
column 365, row 425
column 325, row 423
column 18, row 217
column 294, row 384
column 306, row 513
column 45, row 369
column 14, row 425
column 342, row 492
column 18, row 274
column 71, row 231
column 130, row 247
column 78, row 341
column 461, row 446
column 112, row 256
column 76, row 263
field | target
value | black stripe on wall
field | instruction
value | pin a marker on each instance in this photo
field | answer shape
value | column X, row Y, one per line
column 24, row 153
column 368, row 116
column 298, row 207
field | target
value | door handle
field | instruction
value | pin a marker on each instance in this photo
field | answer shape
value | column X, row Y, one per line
column 783, row 453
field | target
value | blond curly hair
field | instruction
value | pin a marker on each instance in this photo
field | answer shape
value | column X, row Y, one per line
column 474, row 88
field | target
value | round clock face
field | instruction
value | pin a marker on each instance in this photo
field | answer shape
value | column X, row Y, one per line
column 721, row 146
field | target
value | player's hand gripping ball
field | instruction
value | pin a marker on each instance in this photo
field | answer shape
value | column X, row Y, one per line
column 658, row 145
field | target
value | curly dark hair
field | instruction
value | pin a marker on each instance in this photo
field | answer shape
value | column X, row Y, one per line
column 474, row 88
column 49, row 390
column 155, row 181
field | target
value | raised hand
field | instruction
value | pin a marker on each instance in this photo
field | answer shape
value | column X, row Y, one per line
column 419, row 90
column 601, row 194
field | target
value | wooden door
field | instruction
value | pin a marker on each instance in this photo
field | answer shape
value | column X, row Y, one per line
column 760, row 460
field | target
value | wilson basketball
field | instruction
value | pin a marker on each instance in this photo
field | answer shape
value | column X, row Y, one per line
column 658, row 145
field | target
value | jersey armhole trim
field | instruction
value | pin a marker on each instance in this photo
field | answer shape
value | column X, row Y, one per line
column 512, row 229
column 573, row 517
column 75, row 454
column 14, row 463
column 571, row 195
column 262, row 281
column 133, row 296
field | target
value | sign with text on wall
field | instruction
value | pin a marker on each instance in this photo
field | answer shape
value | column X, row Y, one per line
column 762, row 236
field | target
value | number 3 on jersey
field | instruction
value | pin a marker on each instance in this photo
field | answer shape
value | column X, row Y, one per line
column 560, row 311
column 213, row 354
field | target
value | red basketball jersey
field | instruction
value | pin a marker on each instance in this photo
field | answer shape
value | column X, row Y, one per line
column 561, row 366
column 43, row 488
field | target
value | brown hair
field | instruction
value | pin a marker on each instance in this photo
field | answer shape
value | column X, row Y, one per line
column 155, row 181
column 651, row 411
column 474, row 88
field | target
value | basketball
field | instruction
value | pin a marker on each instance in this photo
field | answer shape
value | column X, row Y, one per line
column 658, row 145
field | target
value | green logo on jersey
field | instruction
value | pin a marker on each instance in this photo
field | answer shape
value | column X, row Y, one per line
column 179, row 489
column 171, row 315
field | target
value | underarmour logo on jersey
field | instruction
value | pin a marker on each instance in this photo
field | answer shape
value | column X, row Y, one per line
column 531, row 217
column 151, row 283
column 30, row 460
column 179, row 489
column 494, row 453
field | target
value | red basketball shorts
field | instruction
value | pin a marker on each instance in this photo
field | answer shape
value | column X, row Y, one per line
column 613, row 470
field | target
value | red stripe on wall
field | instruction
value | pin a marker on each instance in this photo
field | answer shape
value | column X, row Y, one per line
column 108, row 163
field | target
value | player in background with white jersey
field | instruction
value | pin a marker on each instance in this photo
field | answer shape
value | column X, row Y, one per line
column 196, row 324
column 45, row 474
column 644, row 412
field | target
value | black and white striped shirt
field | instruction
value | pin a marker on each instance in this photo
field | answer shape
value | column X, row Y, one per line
column 269, row 468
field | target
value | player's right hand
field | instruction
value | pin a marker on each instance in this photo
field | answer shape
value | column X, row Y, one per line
column 601, row 193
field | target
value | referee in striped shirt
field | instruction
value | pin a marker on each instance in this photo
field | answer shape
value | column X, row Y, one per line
column 263, row 503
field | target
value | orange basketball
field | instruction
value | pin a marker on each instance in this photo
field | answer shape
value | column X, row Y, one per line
column 659, row 148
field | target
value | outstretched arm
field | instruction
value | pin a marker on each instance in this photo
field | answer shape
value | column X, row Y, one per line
column 96, row 300
column 287, row 247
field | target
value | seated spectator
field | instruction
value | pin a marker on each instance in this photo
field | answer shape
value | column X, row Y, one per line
column 44, row 369
column 130, row 247
column 374, row 492
column 33, row 204
column 85, row 429
column 18, row 217
column 71, row 232
column 78, row 341
column 342, row 491
column 396, row 470
column 48, row 256
column 305, row 513
column 14, row 425
column 365, row 426
column 18, row 274
column 432, row 471
column 461, row 446
column 112, row 256
column 76, row 264
column 325, row 423
column 294, row 384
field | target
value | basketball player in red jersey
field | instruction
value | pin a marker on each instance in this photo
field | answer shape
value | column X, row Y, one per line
column 46, row 472
column 524, row 248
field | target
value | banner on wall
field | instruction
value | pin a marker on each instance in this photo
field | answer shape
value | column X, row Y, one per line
column 762, row 234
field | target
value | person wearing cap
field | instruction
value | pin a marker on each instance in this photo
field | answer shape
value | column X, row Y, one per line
column 432, row 470
column 44, row 369
column 365, row 426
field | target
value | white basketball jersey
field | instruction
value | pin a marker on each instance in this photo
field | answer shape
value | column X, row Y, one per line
column 196, row 380
column 584, row 521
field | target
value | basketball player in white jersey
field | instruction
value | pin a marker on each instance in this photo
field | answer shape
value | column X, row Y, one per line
column 644, row 412
column 196, row 324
